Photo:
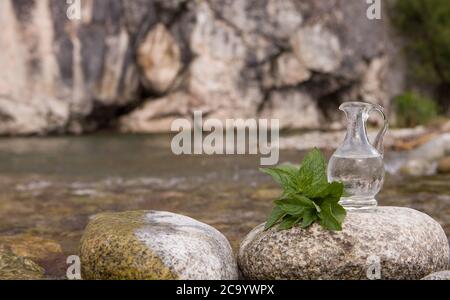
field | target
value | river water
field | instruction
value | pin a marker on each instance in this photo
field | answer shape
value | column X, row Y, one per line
column 51, row 186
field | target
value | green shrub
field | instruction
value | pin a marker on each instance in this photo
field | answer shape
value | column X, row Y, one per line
column 426, row 26
column 413, row 109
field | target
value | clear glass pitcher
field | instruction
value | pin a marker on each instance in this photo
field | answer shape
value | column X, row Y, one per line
column 357, row 163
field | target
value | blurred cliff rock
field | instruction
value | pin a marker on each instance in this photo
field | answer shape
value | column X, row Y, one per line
column 138, row 65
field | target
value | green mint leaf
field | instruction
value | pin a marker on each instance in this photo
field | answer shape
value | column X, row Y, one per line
column 339, row 212
column 309, row 217
column 289, row 222
column 275, row 216
column 295, row 204
column 284, row 176
column 307, row 196
column 289, row 168
column 317, row 207
column 332, row 215
column 333, row 191
column 312, row 174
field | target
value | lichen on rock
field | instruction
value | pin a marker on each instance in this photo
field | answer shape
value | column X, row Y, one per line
column 14, row 267
column 154, row 245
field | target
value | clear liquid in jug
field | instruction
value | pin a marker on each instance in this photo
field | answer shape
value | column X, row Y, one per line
column 362, row 177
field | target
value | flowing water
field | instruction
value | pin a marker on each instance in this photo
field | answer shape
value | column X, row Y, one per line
column 51, row 186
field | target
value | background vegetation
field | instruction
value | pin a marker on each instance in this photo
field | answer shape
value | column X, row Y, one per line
column 414, row 109
column 426, row 26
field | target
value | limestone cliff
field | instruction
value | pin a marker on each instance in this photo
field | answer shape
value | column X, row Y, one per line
column 137, row 65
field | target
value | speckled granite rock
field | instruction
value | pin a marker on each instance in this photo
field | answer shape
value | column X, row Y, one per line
column 408, row 243
column 443, row 275
column 154, row 245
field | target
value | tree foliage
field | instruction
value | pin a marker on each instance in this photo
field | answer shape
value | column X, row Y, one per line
column 413, row 109
column 426, row 24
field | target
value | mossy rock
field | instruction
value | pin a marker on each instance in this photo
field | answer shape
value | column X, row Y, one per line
column 154, row 245
column 14, row 267
column 33, row 247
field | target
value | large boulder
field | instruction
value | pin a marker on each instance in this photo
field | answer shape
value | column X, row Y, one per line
column 433, row 150
column 405, row 243
column 418, row 167
column 429, row 158
column 154, row 245
column 443, row 275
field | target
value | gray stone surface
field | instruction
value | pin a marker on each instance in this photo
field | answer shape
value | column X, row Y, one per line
column 407, row 243
column 154, row 245
column 281, row 104
column 433, row 150
column 419, row 167
column 429, row 158
column 443, row 275
column 318, row 48
column 159, row 57
column 59, row 75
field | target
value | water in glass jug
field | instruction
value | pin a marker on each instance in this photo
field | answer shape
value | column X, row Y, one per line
column 357, row 163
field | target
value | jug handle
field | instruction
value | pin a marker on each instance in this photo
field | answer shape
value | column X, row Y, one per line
column 378, row 143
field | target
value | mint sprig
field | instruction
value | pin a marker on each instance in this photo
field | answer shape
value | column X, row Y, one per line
column 307, row 196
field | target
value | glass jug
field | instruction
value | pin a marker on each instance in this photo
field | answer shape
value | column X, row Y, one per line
column 357, row 163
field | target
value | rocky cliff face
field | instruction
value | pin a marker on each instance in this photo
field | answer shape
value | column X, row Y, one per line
column 140, row 64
